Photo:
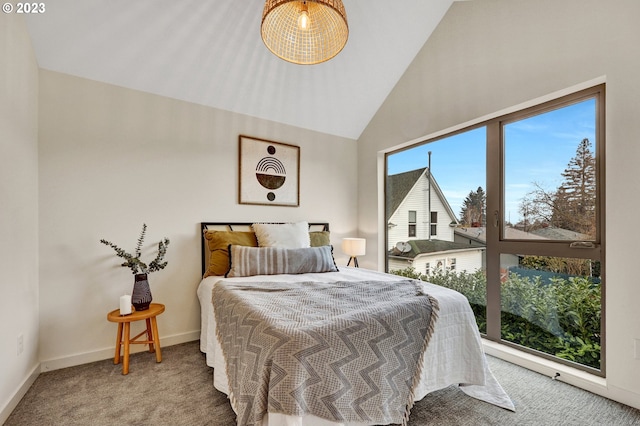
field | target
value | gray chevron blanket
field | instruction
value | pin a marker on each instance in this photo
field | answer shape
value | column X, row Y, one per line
column 346, row 351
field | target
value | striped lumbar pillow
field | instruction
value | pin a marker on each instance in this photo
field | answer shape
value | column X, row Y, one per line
column 248, row 261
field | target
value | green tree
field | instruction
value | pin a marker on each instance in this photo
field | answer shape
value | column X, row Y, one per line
column 473, row 212
column 572, row 205
column 576, row 197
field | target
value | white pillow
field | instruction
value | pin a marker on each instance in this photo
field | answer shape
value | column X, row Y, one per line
column 284, row 235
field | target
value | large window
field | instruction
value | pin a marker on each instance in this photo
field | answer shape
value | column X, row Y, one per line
column 537, row 281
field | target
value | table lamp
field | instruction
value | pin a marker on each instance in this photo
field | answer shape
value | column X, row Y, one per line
column 354, row 247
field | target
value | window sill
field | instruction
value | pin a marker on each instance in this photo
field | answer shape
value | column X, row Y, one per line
column 570, row 375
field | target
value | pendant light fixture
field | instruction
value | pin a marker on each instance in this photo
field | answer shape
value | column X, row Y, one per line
column 304, row 31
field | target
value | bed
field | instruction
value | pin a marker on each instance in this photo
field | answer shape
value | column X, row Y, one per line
column 453, row 356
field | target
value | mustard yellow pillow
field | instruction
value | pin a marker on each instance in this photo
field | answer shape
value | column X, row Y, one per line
column 218, row 244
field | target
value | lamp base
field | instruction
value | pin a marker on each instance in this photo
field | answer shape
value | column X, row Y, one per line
column 355, row 261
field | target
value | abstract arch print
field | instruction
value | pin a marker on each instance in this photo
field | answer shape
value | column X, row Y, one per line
column 269, row 172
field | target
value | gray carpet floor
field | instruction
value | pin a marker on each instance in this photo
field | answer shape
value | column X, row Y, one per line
column 179, row 391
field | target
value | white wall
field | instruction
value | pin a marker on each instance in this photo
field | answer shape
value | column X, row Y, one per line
column 112, row 158
column 492, row 55
column 18, row 211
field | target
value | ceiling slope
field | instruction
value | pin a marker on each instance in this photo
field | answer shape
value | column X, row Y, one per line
column 211, row 53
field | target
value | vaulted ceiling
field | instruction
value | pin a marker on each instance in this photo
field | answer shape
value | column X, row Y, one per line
column 210, row 52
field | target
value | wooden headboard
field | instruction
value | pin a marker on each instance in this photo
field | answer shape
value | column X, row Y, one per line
column 239, row 226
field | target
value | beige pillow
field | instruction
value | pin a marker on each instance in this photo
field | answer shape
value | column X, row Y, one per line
column 283, row 235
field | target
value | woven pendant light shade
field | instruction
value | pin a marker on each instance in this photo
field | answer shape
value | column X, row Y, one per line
column 323, row 38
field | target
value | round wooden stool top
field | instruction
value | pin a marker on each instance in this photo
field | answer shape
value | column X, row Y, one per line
column 154, row 310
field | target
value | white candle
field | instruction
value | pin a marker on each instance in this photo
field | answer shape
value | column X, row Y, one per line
column 125, row 304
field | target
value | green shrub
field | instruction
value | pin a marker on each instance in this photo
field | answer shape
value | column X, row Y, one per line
column 561, row 318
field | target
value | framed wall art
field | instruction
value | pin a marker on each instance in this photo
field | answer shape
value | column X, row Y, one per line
column 269, row 172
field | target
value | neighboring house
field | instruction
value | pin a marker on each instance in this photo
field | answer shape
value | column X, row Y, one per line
column 435, row 241
column 429, row 256
column 478, row 236
column 553, row 233
column 412, row 195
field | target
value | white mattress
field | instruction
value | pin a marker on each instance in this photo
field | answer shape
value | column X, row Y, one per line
column 454, row 355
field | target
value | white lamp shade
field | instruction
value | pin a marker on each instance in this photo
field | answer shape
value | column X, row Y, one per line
column 354, row 246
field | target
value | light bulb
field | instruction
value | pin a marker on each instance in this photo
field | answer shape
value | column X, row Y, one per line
column 303, row 18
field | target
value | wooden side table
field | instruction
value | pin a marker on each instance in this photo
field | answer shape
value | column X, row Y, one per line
column 123, row 339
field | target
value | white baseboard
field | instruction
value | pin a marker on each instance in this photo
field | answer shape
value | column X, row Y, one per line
column 19, row 394
column 106, row 353
column 625, row 396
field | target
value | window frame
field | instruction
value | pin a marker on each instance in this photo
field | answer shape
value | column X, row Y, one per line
column 433, row 224
column 496, row 244
column 412, row 229
column 451, row 264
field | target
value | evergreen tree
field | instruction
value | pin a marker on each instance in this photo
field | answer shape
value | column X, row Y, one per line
column 473, row 212
column 576, row 197
column 572, row 205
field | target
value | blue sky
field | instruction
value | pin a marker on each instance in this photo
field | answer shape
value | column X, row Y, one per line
column 537, row 149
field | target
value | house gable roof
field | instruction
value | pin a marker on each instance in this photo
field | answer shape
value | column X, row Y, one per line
column 403, row 183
